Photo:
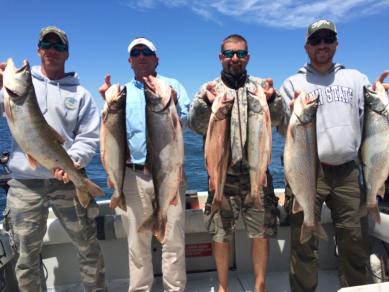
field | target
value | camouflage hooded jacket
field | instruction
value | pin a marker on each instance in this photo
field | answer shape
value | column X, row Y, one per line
column 200, row 110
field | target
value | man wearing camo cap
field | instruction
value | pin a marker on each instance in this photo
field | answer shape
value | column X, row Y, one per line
column 70, row 110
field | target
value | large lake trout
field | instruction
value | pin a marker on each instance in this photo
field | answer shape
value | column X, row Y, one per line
column 259, row 138
column 217, row 148
column 41, row 143
column 165, row 153
column 375, row 147
column 113, row 142
column 301, row 163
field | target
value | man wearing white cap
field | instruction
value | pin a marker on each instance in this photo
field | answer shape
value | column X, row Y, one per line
column 138, row 186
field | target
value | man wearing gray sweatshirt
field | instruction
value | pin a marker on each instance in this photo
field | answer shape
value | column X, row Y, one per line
column 339, row 121
column 68, row 108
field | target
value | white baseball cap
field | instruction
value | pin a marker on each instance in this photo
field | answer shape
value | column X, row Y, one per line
column 141, row 41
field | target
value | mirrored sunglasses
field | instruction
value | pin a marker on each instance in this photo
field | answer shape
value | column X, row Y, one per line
column 145, row 52
column 60, row 47
column 239, row 53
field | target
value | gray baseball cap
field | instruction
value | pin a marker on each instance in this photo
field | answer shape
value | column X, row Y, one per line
column 319, row 25
column 52, row 29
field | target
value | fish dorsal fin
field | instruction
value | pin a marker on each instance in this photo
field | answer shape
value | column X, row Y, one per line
column 32, row 161
column 296, row 207
column 57, row 137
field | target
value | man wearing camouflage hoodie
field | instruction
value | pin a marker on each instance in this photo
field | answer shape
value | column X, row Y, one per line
column 339, row 122
column 261, row 225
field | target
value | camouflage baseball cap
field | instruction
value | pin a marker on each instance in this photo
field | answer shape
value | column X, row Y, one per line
column 321, row 24
column 52, row 29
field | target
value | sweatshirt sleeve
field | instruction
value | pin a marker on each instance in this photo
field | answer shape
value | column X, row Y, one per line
column 199, row 112
column 87, row 132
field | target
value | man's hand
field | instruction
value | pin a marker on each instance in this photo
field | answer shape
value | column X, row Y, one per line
column 104, row 87
column 2, row 68
column 60, row 174
column 160, row 88
column 381, row 80
column 268, row 89
column 210, row 93
column 291, row 102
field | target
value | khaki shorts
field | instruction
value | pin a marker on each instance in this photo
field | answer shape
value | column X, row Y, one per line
column 258, row 224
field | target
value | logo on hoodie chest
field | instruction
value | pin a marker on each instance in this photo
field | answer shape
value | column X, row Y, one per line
column 333, row 93
column 70, row 103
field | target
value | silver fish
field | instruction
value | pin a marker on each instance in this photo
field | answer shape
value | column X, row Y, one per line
column 259, row 143
column 217, row 148
column 375, row 147
column 165, row 153
column 301, row 162
column 40, row 142
column 113, row 142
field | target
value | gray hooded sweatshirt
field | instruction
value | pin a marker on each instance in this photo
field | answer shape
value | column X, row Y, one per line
column 71, row 111
column 339, row 116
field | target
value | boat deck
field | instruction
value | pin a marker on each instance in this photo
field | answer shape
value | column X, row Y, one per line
column 207, row 282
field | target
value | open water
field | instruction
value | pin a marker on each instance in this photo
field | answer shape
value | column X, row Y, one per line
column 194, row 163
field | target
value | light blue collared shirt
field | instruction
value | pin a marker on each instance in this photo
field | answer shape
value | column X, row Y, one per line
column 136, row 115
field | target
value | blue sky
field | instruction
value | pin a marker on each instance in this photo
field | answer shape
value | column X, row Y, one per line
column 188, row 34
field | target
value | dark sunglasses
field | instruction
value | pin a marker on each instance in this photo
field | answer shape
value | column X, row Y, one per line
column 145, row 52
column 316, row 40
column 60, row 47
column 230, row 53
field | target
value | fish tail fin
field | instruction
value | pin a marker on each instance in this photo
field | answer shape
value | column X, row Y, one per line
column 306, row 233
column 92, row 188
column 320, row 232
column 147, row 225
column 160, row 229
column 374, row 213
column 83, row 197
column 156, row 223
column 296, row 207
column 87, row 190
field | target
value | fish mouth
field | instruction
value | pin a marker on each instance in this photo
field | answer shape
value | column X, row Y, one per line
column 15, row 84
column 24, row 67
column 11, row 93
